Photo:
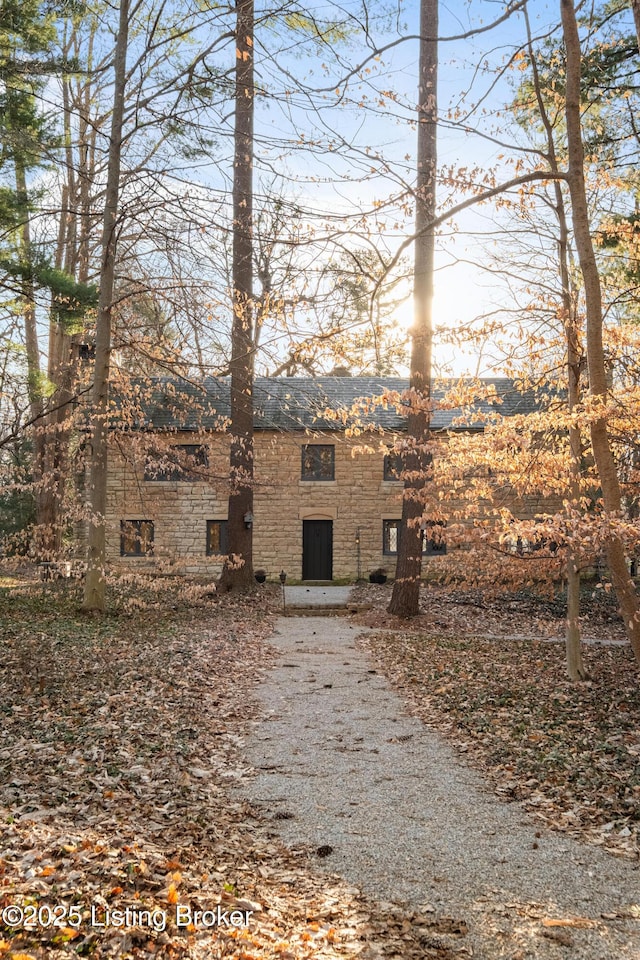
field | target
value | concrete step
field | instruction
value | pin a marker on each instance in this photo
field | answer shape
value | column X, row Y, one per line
column 330, row 610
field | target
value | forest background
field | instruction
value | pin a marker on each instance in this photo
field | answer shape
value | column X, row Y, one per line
column 121, row 212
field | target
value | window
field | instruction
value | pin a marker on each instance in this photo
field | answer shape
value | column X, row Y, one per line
column 318, row 461
column 526, row 545
column 217, row 537
column 179, row 462
column 136, row 538
column 390, row 534
column 392, row 466
column 434, row 544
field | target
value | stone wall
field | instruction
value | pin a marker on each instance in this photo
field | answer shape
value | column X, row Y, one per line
column 357, row 502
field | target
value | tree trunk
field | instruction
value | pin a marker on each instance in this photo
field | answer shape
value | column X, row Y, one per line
column 574, row 663
column 27, row 294
column 607, row 472
column 635, row 6
column 405, row 598
column 57, row 426
column 43, row 540
column 86, row 166
column 238, row 569
column 94, row 591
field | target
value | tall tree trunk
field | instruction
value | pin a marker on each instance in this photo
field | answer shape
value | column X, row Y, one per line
column 574, row 662
column 87, row 133
column 238, row 569
column 27, row 294
column 56, row 434
column 43, row 545
column 405, row 598
column 607, row 471
column 94, row 591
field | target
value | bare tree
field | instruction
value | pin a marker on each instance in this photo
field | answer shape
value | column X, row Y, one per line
column 238, row 570
column 405, row 599
column 94, row 591
column 575, row 664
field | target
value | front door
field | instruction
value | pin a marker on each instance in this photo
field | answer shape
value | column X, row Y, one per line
column 317, row 549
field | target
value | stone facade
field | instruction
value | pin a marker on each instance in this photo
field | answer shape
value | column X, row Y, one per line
column 356, row 501
column 354, row 505
column 319, row 514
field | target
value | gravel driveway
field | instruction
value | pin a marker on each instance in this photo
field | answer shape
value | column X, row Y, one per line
column 381, row 800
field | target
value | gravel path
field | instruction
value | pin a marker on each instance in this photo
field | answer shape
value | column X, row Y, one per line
column 341, row 765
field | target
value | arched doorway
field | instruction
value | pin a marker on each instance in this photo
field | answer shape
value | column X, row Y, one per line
column 317, row 549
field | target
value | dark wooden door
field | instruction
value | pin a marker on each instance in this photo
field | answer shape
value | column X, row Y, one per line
column 317, row 549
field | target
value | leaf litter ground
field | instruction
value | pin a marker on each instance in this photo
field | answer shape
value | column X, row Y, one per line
column 489, row 673
column 121, row 738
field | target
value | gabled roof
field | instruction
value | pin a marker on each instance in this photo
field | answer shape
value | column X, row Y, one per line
column 300, row 403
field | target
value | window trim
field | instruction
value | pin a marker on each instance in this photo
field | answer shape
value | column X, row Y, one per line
column 136, row 525
column 315, row 478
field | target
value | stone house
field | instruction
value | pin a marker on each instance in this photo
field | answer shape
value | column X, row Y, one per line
column 327, row 499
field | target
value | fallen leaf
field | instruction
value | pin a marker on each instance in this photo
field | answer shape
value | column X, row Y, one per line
column 581, row 922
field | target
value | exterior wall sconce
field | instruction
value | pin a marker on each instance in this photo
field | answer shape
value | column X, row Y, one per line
column 248, row 519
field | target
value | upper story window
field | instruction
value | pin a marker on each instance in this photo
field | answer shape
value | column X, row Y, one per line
column 136, row 538
column 318, row 461
column 178, row 462
column 392, row 466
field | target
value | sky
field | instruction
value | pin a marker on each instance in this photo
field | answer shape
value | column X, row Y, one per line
column 386, row 133
column 472, row 85
column 366, row 141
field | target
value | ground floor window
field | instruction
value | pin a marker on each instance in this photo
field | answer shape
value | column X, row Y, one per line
column 434, row 538
column 433, row 543
column 217, row 537
column 390, row 534
column 136, row 538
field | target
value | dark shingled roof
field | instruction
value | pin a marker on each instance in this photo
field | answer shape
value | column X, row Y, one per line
column 298, row 403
